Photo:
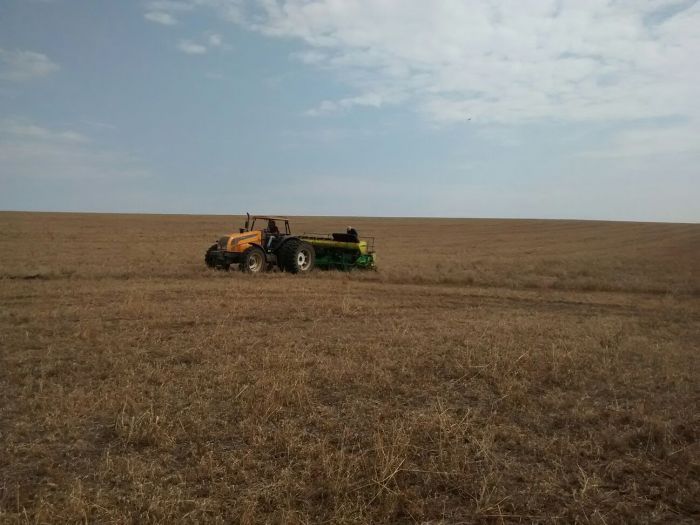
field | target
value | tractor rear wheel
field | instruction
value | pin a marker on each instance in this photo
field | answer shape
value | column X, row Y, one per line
column 208, row 258
column 253, row 260
column 296, row 256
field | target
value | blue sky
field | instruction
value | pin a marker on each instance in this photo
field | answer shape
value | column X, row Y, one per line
column 555, row 109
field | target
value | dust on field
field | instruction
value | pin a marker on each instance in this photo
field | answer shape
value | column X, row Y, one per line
column 490, row 371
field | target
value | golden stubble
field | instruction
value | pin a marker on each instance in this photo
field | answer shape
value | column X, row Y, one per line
column 489, row 371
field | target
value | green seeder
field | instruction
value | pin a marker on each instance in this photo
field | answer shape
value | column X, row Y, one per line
column 342, row 251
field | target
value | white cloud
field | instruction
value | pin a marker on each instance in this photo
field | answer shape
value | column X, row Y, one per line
column 310, row 56
column 30, row 151
column 171, row 6
column 503, row 64
column 98, row 125
column 27, row 130
column 648, row 141
column 500, row 62
column 20, row 65
column 328, row 107
column 507, row 61
column 191, row 48
column 199, row 47
column 160, row 17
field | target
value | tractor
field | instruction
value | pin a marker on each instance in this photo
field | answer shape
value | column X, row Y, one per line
column 259, row 249
column 261, row 245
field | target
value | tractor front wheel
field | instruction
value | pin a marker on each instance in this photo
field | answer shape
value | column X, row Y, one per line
column 297, row 256
column 209, row 258
column 253, row 260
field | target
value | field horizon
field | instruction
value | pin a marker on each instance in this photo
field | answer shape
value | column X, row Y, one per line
column 241, row 217
column 490, row 371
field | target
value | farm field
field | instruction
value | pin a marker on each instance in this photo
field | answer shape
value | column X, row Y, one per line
column 491, row 371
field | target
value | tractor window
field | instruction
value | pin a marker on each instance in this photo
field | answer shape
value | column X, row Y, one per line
column 279, row 227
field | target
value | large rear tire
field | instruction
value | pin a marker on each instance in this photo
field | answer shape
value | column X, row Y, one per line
column 253, row 260
column 296, row 256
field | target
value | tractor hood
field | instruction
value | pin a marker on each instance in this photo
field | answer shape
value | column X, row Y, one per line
column 229, row 242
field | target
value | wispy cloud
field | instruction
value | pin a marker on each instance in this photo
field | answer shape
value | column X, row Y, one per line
column 215, row 40
column 200, row 46
column 310, row 56
column 651, row 140
column 27, row 130
column 21, row 65
column 328, row 107
column 160, row 17
column 502, row 64
column 191, row 48
column 496, row 62
column 98, row 125
column 31, row 151
column 165, row 12
column 171, row 6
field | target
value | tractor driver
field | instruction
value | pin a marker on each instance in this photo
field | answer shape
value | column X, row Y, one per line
column 272, row 227
column 352, row 232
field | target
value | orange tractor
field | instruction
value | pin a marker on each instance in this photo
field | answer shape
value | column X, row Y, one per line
column 259, row 249
column 262, row 244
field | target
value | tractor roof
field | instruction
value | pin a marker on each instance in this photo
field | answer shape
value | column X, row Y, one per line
column 269, row 217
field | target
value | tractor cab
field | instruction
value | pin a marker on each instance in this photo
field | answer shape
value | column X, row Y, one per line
column 268, row 225
column 273, row 230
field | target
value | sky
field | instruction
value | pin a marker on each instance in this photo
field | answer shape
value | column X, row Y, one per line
column 581, row 109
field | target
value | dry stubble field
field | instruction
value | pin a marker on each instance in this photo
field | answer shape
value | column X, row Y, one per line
column 490, row 371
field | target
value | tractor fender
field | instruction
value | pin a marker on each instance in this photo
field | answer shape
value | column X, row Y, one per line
column 268, row 255
column 290, row 238
column 285, row 241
